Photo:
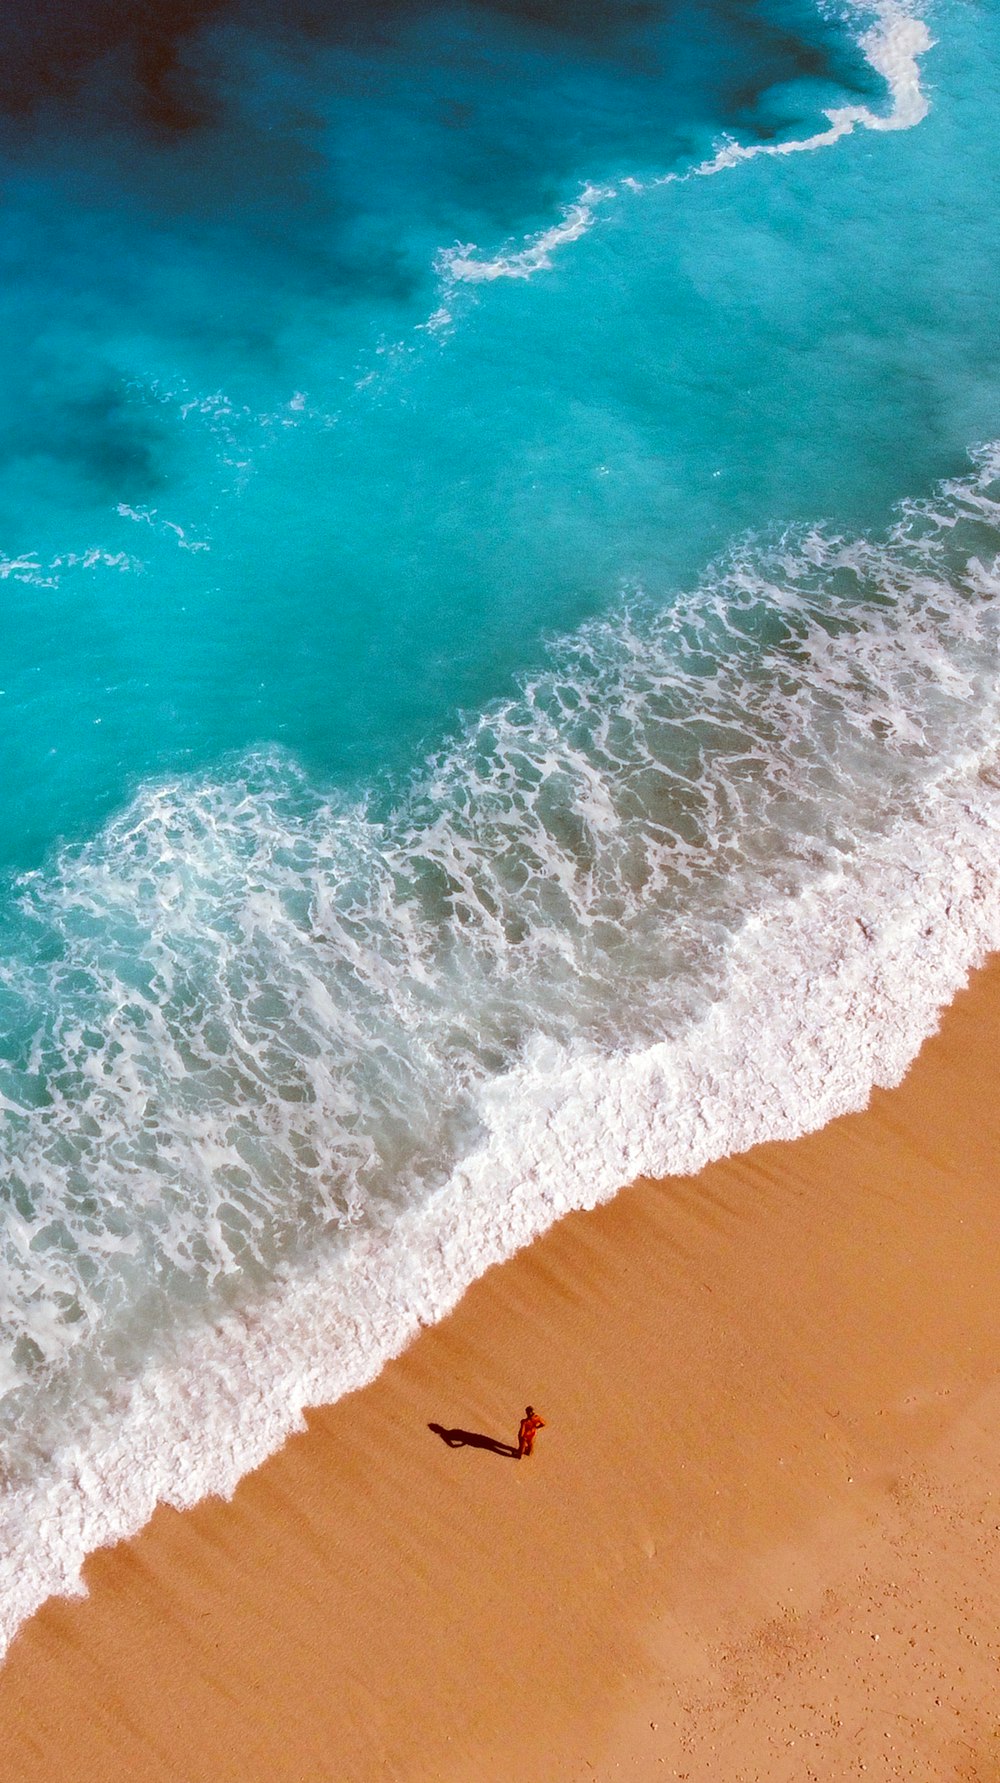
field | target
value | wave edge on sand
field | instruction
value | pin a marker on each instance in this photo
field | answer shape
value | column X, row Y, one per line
column 825, row 990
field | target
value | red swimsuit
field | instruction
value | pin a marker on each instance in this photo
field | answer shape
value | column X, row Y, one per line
column 526, row 1433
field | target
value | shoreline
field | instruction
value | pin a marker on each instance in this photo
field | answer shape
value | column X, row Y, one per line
column 825, row 994
column 771, row 1392
column 807, row 970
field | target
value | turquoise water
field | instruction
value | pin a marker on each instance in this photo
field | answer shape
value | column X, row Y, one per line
column 189, row 316
column 454, row 583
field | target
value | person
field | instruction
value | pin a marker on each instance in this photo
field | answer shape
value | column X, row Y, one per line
column 528, row 1428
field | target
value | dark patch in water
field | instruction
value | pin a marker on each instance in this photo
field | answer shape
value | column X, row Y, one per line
column 100, row 436
column 141, row 59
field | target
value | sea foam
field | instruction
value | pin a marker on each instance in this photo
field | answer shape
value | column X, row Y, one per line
column 293, row 1072
column 892, row 45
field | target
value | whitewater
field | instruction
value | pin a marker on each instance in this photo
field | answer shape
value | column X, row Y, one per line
column 297, row 1066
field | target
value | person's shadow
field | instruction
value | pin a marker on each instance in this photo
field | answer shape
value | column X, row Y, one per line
column 472, row 1439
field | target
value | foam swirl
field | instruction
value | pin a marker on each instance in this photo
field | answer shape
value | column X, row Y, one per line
column 893, row 46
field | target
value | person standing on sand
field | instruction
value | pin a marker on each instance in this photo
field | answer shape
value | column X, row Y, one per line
column 530, row 1424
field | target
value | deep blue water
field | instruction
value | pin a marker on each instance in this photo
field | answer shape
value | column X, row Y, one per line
column 403, row 669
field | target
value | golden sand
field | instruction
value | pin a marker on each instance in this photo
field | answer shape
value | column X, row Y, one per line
column 758, row 1541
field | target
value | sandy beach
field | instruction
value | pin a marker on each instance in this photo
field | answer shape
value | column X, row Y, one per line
column 759, row 1537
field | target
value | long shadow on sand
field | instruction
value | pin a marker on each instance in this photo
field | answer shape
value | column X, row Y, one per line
column 472, row 1439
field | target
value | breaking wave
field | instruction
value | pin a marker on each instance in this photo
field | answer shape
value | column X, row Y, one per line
column 283, row 1073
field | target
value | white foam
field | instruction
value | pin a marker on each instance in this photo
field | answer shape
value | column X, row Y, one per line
column 763, row 826
column 30, row 568
column 461, row 262
column 825, row 1000
column 164, row 528
column 892, row 46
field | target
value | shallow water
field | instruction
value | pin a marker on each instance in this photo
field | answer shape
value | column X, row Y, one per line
column 495, row 590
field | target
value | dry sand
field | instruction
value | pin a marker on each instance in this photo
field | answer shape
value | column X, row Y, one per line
column 758, row 1538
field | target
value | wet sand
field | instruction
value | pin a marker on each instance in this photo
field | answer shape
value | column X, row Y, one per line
column 759, row 1537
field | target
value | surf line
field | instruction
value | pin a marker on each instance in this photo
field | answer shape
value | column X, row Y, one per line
column 893, row 47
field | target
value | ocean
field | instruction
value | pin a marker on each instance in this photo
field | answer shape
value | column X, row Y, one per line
column 499, row 540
